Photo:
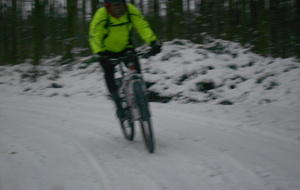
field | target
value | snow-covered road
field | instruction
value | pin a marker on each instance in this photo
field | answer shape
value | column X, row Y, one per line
column 75, row 143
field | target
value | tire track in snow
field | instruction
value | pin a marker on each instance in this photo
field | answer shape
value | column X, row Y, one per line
column 29, row 116
column 195, row 149
column 224, row 145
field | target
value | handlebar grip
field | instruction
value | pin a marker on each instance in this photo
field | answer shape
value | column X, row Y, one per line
column 146, row 55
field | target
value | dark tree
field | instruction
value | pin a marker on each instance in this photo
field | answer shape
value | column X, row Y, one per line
column 71, row 29
column 37, row 33
column 174, row 18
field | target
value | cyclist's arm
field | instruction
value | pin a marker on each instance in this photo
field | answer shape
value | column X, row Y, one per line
column 141, row 25
column 97, row 30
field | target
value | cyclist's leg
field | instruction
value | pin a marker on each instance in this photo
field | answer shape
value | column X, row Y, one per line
column 118, row 101
column 108, row 69
column 133, row 59
column 111, row 85
column 137, row 64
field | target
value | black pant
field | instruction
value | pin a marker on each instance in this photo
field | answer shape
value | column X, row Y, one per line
column 109, row 70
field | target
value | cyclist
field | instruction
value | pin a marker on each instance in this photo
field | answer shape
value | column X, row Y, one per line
column 110, row 37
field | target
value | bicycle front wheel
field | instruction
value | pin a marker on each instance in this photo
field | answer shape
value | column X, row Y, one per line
column 144, row 118
column 127, row 125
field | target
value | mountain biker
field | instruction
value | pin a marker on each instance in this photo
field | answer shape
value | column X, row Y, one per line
column 110, row 37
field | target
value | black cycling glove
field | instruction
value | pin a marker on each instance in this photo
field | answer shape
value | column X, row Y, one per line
column 155, row 48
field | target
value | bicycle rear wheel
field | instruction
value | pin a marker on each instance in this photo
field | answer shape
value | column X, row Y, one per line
column 127, row 125
column 144, row 119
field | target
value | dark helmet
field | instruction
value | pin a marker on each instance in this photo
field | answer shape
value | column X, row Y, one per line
column 114, row 1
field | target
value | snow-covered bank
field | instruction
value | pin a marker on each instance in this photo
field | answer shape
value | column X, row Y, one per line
column 219, row 72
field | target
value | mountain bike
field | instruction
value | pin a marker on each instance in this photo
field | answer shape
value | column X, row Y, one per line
column 133, row 92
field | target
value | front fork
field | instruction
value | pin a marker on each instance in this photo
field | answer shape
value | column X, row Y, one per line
column 131, row 98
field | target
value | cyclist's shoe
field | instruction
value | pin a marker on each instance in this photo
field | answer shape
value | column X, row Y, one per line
column 120, row 113
column 119, row 109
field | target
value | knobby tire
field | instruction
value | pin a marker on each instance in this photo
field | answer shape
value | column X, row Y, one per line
column 127, row 125
column 145, row 121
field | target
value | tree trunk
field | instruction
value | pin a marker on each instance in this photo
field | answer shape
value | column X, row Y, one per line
column 174, row 16
column 71, row 28
column 94, row 6
column 38, row 19
column 13, row 34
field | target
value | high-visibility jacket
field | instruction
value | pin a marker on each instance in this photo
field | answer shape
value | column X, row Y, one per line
column 108, row 33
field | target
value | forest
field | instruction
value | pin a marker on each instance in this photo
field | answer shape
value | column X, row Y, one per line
column 32, row 30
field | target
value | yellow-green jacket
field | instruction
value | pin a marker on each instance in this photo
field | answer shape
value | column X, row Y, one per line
column 108, row 33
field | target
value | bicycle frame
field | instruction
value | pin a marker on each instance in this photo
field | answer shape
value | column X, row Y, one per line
column 128, row 78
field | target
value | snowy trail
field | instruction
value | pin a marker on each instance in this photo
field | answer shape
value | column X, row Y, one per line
column 75, row 143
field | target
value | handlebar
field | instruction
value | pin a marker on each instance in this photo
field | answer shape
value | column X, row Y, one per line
column 129, row 55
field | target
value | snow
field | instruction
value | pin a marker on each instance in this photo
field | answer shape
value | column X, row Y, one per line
column 58, row 130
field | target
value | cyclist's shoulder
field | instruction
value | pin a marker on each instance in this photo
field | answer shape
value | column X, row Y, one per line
column 101, row 13
column 132, row 9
